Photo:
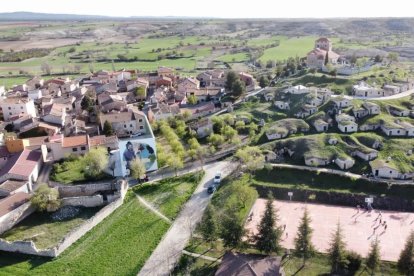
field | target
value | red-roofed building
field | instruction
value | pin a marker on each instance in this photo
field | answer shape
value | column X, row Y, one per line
column 316, row 58
column 24, row 166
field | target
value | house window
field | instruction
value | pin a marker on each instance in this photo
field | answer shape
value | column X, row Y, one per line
column 140, row 120
column 124, row 126
column 398, row 131
column 390, row 172
column 130, row 125
column 10, row 113
column 83, row 148
column 9, row 108
column 75, row 149
column 141, row 127
column 21, row 107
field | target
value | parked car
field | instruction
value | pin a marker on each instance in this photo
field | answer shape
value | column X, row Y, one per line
column 211, row 189
column 217, row 178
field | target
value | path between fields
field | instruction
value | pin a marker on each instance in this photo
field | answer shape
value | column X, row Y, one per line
column 169, row 250
column 196, row 255
column 153, row 209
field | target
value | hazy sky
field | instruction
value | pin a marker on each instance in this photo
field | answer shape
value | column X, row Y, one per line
column 218, row 8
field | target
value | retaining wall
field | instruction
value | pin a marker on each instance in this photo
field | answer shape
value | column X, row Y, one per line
column 14, row 217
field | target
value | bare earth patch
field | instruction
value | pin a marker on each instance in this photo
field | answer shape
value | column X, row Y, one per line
column 358, row 227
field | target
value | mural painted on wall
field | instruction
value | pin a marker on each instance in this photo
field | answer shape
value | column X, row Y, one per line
column 144, row 149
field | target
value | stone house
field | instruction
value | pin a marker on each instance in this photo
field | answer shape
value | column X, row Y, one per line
column 398, row 111
column 386, row 169
column 344, row 162
column 359, row 112
column 23, row 166
column 341, row 102
column 366, row 155
column 320, row 125
column 348, row 126
column 315, row 161
column 62, row 146
column 282, row 105
column 54, row 114
column 298, row 89
column 17, row 107
column 372, row 108
column 203, row 127
column 390, row 90
column 362, row 89
column 126, row 123
column 108, row 102
column 188, row 84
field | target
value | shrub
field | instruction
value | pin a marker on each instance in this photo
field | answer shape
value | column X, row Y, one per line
column 354, row 261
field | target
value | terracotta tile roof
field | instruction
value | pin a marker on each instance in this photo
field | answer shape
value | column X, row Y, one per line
column 74, row 141
column 102, row 140
column 323, row 39
column 11, row 185
column 22, row 163
column 12, row 202
column 16, row 100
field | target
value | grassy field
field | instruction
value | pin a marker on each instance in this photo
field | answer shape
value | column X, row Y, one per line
column 170, row 194
column 43, row 230
column 289, row 47
column 119, row 245
column 73, row 170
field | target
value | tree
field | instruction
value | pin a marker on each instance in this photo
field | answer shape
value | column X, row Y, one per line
column 46, row 68
column 333, row 73
column 107, row 129
column 215, row 139
column 238, row 88
column 378, row 58
column 140, row 92
column 263, row 82
column 87, row 102
column 192, row 99
column 303, row 243
column 393, row 57
column 373, row 258
column 268, row 237
column 96, row 160
column 209, row 225
column 175, row 162
column 231, row 78
column 337, row 252
column 326, row 58
column 137, row 168
column 251, row 157
column 406, row 261
column 46, row 198
column 232, row 230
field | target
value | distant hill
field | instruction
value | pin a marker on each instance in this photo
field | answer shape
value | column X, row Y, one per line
column 32, row 16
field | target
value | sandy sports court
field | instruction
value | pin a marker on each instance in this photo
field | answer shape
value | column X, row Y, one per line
column 358, row 227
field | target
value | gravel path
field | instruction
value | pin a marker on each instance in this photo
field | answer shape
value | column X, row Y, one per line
column 169, row 250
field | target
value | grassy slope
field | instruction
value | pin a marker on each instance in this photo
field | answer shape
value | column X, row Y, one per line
column 43, row 231
column 119, row 245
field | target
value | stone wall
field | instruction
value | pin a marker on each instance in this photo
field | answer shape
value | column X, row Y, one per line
column 11, row 219
column 84, row 201
column 84, row 190
column 28, row 247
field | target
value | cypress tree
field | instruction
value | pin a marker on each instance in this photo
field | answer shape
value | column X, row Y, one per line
column 337, row 251
column 406, row 261
column 303, row 243
column 268, row 238
column 209, row 225
column 373, row 258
